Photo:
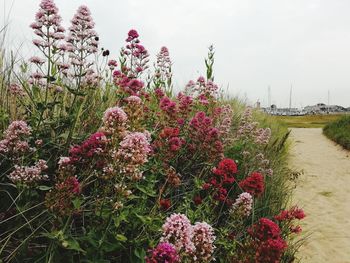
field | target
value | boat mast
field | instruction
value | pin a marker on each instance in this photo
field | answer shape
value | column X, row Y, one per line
column 290, row 99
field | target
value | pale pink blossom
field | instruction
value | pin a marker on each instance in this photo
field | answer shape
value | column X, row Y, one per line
column 203, row 241
column 243, row 205
column 132, row 153
column 15, row 141
column 115, row 119
column 29, row 174
column 178, row 231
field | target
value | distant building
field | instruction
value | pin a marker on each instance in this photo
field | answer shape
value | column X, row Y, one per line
column 322, row 108
column 274, row 110
column 258, row 105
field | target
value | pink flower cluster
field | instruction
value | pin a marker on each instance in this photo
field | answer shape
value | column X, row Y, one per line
column 249, row 129
column 136, row 54
column 63, row 67
column 16, row 90
column 163, row 61
column 115, row 120
column 37, row 78
column 197, row 241
column 48, row 28
column 47, row 25
column 223, row 116
column 242, row 205
column 133, row 100
column 203, row 241
column 262, row 136
column 132, row 153
column 163, row 253
column 29, row 174
column 82, row 41
column 178, row 230
column 172, row 136
column 247, row 126
column 163, row 72
column 112, row 64
column 15, row 142
column 204, row 89
column 37, row 60
column 82, row 36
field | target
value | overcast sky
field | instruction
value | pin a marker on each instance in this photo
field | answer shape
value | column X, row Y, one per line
column 259, row 43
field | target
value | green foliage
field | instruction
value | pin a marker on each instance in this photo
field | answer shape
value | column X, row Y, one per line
column 339, row 131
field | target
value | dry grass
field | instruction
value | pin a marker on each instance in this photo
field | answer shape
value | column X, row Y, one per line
column 307, row 121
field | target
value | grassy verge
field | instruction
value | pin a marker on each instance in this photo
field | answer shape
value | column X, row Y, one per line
column 339, row 131
column 307, row 121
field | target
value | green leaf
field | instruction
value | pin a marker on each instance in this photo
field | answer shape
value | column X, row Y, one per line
column 77, row 203
column 121, row 238
column 72, row 244
column 147, row 191
column 145, row 219
column 44, row 187
column 140, row 253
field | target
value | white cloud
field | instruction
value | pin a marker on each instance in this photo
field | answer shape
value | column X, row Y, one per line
column 258, row 42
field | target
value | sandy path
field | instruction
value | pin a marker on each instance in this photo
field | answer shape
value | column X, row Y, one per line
column 324, row 193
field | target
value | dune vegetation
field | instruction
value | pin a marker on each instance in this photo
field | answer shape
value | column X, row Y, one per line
column 101, row 161
column 339, row 131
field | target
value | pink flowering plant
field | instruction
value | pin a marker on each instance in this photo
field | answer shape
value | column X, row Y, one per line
column 101, row 161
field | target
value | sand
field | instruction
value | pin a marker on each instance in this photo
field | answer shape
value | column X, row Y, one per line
column 323, row 191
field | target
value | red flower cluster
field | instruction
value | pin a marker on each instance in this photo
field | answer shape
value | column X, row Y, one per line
column 205, row 138
column 226, row 169
column 168, row 106
column 165, row 204
column 222, row 180
column 163, row 253
column 253, row 184
column 270, row 251
column 172, row 136
column 72, row 183
column 264, row 230
column 95, row 145
column 288, row 215
column 185, row 104
column 129, row 85
column 159, row 93
column 197, row 200
column 59, row 200
column 169, row 142
column 268, row 242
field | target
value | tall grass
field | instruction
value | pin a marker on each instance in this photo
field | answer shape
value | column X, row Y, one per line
column 339, row 131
